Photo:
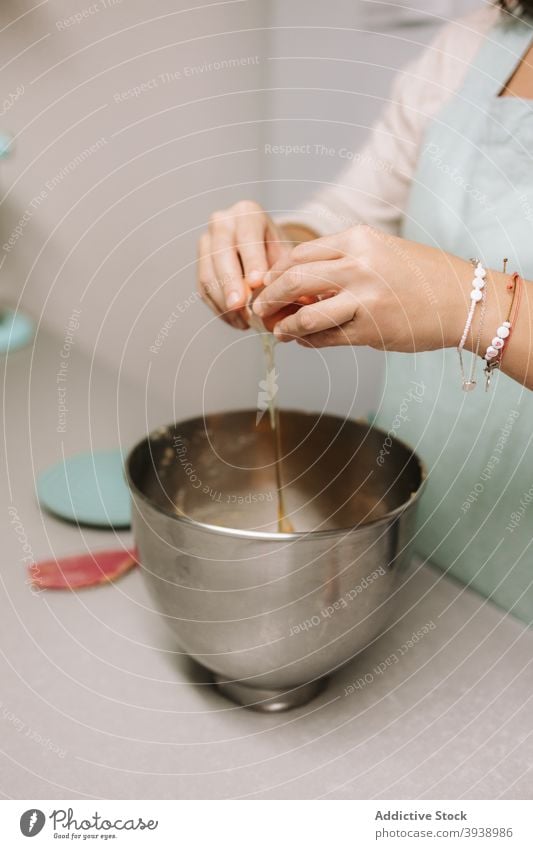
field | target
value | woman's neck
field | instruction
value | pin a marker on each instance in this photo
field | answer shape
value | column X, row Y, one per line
column 521, row 82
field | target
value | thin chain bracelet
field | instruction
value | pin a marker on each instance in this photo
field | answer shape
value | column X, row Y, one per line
column 471, row 383
column 476, row 295
column 478, row 339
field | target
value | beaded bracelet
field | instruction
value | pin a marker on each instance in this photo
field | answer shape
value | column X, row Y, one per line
column 495, row 351
column 476, row 295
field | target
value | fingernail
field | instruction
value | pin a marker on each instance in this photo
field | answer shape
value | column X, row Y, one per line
column 278, row 331
column 258, row 307
column 232, row 299
column 255, row 276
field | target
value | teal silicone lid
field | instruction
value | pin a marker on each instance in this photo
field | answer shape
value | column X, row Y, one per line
column 88, row 489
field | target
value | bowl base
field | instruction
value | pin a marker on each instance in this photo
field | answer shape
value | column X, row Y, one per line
column 269, row 701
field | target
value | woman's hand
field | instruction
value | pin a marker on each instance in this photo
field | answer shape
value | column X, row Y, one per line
column 234, row 254
column 374, row 289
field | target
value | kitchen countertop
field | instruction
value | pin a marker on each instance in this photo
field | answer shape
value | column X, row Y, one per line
column 97, row 701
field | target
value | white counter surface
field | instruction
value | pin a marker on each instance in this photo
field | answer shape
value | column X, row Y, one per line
column 96, row 700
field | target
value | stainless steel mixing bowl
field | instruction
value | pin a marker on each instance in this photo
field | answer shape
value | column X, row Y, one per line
column 271, row 615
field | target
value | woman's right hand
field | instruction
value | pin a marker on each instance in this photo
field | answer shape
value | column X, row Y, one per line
column 238, row 248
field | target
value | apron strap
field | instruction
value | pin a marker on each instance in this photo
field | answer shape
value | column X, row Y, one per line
column 499, row 55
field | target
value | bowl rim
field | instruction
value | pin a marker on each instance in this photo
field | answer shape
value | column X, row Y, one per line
column 271, row 536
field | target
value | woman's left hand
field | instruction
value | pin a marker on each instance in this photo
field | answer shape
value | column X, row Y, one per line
column 374, row 289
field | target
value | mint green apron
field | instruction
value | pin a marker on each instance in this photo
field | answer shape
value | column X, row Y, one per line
column 472, row 196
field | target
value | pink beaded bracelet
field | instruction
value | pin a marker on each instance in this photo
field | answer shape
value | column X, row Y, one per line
column 494, row 353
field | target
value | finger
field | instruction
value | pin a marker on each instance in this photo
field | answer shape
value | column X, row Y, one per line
column 311, row 279
column 251, row 234
column 235, row 319
column 313, row 250
column 226, row 262
column 327, row 338
column 277, row 246
column 207, row 284
column 210, row 289
column 324, row 315
column 277, row 252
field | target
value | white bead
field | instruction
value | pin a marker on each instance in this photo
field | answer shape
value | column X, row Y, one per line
column 478, row 283
column 506, row 324
column 491, row 351
column 476, row 294
column 480, row 271
column 503, row 331
column 497, row 342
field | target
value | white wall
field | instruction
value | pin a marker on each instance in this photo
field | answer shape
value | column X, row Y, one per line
column 114, row 234
column 116, row 237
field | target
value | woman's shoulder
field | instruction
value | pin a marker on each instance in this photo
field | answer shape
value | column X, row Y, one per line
column 460, row 38
column 475, row 24
column 442, row 67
